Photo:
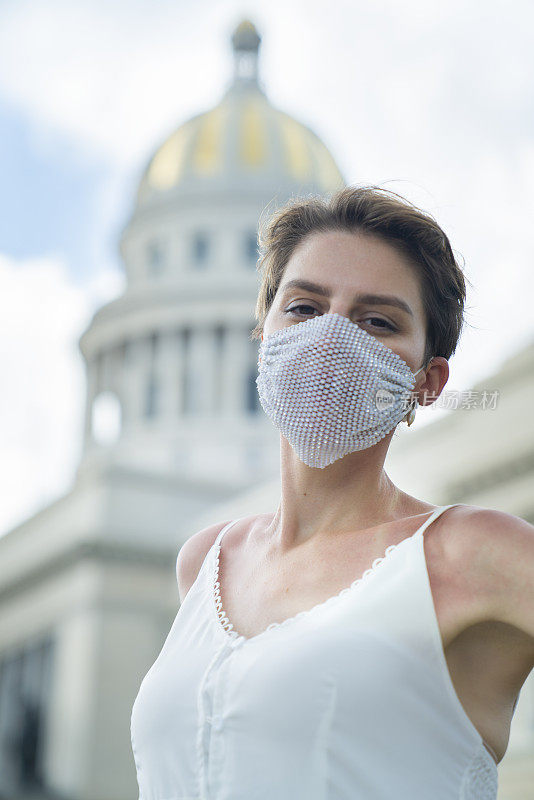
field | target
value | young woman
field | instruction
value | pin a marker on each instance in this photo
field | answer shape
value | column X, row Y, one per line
column 330, row 650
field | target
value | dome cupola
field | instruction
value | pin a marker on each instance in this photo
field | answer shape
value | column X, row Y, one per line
column 243, row 142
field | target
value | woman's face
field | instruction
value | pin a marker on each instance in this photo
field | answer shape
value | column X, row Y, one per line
column 364, row 279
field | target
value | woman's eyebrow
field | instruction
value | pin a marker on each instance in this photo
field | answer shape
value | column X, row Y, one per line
column 370, row 299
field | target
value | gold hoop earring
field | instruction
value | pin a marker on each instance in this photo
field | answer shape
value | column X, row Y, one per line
column 410, row 416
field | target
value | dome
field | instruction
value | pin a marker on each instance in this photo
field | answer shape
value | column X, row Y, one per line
column 243, row 139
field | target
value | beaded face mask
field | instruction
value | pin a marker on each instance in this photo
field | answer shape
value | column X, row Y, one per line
column 331, row 388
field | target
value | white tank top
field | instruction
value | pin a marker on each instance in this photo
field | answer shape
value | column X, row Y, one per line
column 350, row 700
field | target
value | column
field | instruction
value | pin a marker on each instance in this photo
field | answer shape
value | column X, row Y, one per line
column 235, row 366
column 91, row 373
column 213, row 367
column 200, row 366
column 136, row 375
column 168, row 371
column 219, row 335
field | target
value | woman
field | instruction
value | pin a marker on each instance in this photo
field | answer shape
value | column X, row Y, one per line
column 330, row 651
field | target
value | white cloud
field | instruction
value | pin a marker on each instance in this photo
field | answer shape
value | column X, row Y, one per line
column 119, row 76
column 42, row 314
column 114, row 76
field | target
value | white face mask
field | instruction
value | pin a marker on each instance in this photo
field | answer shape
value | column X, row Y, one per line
column 331, row 388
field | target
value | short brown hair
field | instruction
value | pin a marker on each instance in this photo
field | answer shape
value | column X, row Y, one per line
column 379, row 212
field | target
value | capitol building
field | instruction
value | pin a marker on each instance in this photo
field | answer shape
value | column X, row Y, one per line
column 175, row 439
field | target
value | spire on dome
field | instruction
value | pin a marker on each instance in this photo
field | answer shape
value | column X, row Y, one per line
column 246, row 43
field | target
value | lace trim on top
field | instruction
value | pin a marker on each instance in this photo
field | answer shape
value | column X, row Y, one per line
column 228, row 626
column 221, row 614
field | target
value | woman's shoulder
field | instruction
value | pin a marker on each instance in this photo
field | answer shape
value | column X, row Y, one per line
column 475, row 535
column 495, row 551
column 192, row 554
column 195, row 549
column 480, row 529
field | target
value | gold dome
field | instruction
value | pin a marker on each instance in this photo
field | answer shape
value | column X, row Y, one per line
column 243, row 137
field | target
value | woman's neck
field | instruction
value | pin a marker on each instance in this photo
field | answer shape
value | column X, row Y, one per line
column 353, row 493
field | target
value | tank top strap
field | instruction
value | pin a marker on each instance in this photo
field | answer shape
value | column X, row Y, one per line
column 435, row 514
column 223, row 530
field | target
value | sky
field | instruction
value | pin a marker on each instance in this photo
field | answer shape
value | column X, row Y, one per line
column 432, row 100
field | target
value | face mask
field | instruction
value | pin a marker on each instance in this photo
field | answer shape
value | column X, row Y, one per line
column 331, row 388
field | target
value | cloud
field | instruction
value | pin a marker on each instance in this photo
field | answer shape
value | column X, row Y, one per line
column 120, row 76
column 42, row 314
column 114, row 76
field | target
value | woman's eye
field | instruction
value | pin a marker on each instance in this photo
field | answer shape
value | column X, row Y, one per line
column 294, row 309
column 382, row 321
